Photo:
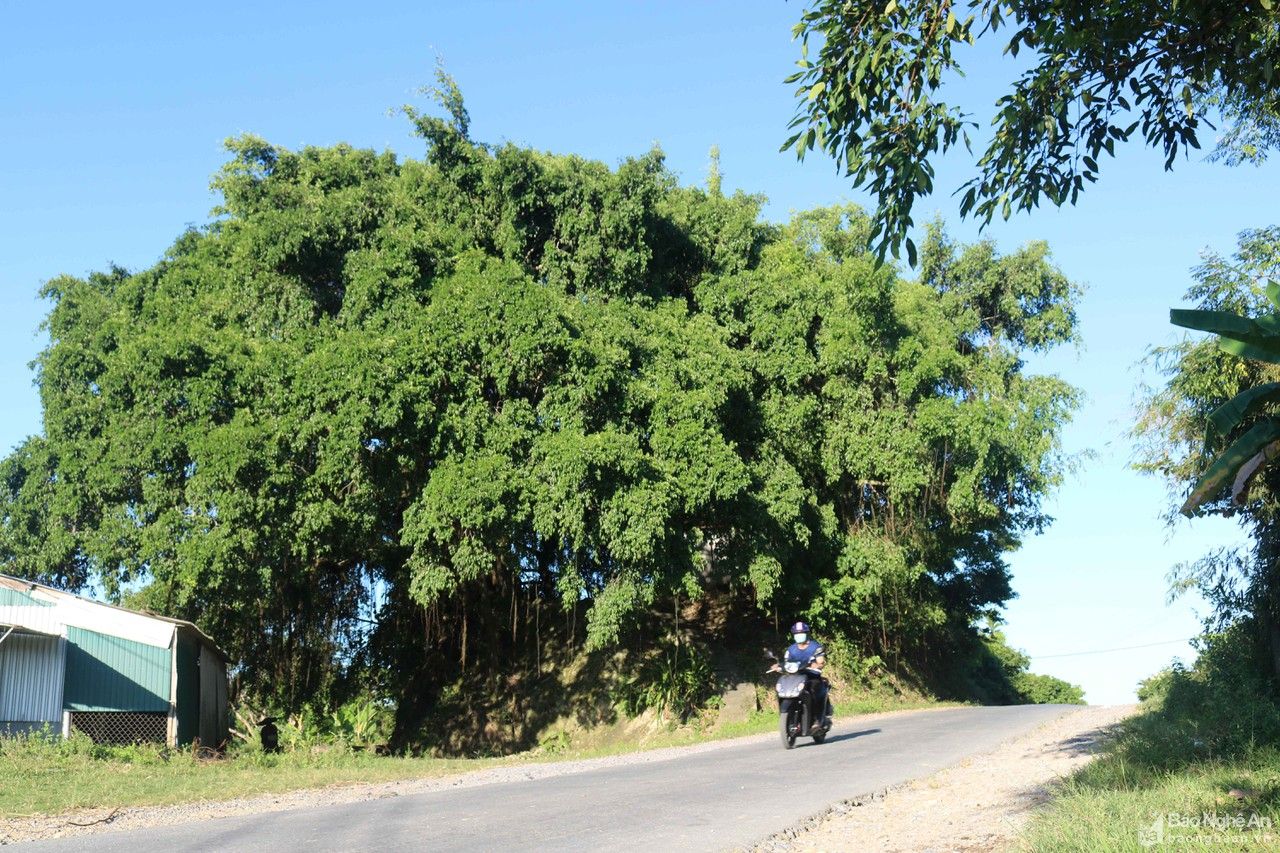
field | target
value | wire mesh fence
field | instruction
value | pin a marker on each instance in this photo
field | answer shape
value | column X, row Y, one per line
column 121, row 728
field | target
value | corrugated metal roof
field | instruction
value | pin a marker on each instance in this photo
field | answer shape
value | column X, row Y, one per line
column 20, row 630
column 44, row 620
column 20, row 598
column 8, row 582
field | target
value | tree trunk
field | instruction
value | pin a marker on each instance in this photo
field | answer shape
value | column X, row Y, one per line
column 1272, row 629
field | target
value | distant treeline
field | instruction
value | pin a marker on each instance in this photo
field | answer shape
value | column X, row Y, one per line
column 384, row 419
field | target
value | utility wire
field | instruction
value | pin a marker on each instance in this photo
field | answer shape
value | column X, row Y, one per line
column 1106, row 651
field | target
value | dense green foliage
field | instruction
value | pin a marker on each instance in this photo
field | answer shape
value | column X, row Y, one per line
column 1221, row 708
column 1099, row 73
column 385, row 420
column 1181, row 441
column 994, row 673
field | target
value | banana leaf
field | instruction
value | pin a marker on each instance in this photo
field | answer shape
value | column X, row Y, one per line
column 1229, row 463
column 1269, row 323
column 1232, row 413
column 1240, row 486
column 1268, row 354
column 1242, row 336
column 1273, row 292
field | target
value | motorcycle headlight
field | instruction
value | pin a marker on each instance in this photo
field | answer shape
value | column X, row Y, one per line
column 792, row 666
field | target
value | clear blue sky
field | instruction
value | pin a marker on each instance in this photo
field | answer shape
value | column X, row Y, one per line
column 113, row 117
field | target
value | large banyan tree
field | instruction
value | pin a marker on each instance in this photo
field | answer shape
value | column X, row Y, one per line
column 394, row 416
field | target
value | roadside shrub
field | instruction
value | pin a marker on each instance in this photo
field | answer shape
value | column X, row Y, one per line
column 676, row 679
column 361, row 724
column 1040, row 689
column 1203, row 732
column 1156, row 687
column 850, row 664
column 992, row 672
column 1225, row 707
column 555, row 742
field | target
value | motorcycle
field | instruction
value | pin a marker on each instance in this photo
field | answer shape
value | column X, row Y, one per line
column 798, row 689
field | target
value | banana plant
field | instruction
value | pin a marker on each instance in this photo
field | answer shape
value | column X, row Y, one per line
column 1259, row 339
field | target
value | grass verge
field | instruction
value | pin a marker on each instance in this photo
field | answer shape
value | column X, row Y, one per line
column 1101, row 810
column 1197, row 768
column 44, row 778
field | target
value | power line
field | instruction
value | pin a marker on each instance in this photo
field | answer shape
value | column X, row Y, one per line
column 1119, row 649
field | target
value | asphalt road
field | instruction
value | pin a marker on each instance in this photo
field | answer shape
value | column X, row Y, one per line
column 712, row 800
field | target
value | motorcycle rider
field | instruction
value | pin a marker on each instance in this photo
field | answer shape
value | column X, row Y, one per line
column 811, row 656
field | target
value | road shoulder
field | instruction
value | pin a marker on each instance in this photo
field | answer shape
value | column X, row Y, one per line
column 980, row 804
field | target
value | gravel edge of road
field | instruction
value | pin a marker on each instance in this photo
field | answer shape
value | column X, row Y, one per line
column 784, row 839
column 83, row 822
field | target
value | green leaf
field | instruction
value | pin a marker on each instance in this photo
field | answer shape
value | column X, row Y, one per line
column 1246, row 349
column 1237, row 329
column 1224, row 468
column 1231, row 414
column 1273, row 293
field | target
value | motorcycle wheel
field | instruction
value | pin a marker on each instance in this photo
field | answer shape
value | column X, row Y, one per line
column 786, row 711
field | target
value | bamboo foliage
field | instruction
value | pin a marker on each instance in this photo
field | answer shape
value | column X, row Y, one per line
column 384, row 420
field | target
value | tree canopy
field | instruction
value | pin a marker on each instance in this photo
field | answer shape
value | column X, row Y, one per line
column 1090, row 75
column 1196, row 431
column 388, row 417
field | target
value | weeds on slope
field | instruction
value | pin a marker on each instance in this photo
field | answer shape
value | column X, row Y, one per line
column 1198, row 766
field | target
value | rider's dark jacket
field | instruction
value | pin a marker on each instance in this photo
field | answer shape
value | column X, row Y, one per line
column 805, row 656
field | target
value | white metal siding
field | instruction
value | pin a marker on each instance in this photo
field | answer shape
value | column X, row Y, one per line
column 31, row 672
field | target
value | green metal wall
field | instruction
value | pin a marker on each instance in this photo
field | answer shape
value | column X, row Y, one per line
column 188, row 694
column 107, row 673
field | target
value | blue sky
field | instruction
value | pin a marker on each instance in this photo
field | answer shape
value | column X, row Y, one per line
column 113, row 119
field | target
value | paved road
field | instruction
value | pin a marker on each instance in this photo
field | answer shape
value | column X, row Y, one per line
column 712, row 800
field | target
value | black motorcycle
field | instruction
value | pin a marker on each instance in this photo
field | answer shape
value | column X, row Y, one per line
column 798, row 689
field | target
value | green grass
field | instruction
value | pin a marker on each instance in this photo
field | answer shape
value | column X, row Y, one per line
column 50, row 776
column 1202, row 733
column 56, row 777
column 1105, row 806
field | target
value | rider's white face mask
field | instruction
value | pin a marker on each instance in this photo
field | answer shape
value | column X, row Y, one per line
column 800, row 638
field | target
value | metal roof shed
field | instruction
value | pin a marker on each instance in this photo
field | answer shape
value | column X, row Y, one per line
column 118, row 675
